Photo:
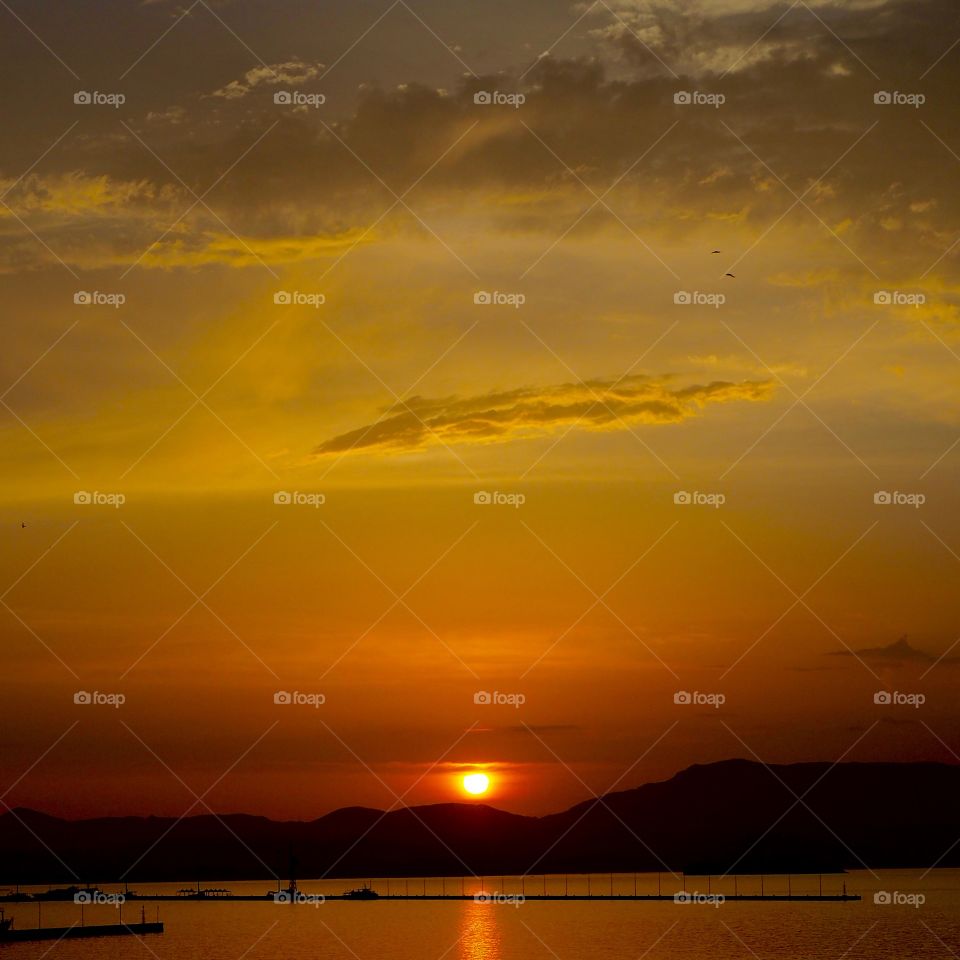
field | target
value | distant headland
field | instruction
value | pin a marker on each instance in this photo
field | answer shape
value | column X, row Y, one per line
column 735, row 816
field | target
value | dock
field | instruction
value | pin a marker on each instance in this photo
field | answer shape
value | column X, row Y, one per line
column 80, row 932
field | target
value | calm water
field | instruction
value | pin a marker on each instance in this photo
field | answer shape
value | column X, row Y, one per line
column 550, row 930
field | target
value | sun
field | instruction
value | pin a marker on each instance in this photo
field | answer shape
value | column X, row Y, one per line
column 476, row 783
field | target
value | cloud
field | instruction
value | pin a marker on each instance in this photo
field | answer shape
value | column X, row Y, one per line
column 533, row 411
column 703, row 37
column 293, row 73
column 103, row 221
column 543, row 728
column 900, row 651
column 75, row 194
column 678, row 171
column 198, row 250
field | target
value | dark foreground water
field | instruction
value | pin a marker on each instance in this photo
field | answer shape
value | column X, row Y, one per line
column 921, row 919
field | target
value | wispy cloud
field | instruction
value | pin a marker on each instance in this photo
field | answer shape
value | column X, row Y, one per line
column 532, row 411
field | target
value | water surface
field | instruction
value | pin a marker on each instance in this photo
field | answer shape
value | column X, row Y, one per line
column 602, row 930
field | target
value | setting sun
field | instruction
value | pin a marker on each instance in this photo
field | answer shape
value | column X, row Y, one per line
column 476, row 783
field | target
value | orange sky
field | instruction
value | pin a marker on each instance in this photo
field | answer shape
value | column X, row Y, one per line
column 615, row 373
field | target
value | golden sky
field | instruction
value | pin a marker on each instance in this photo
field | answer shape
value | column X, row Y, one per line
column 302, row 283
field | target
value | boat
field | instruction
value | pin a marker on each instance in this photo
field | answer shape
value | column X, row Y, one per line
column 362, row 893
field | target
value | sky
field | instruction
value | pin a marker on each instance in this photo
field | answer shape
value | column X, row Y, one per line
column 391, row 391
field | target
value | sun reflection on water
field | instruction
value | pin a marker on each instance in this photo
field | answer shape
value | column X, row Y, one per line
column 479, row 933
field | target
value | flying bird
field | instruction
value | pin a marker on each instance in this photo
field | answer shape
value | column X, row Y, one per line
column 729, row 275
column 714, row 251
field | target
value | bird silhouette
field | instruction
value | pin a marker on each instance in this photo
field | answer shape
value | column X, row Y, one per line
column 729, row 275
column 714, row 251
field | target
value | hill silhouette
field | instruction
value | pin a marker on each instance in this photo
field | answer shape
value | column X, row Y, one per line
column 735, row 815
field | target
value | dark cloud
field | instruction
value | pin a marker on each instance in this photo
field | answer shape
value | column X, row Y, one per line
column 899, row 721
column 795, row 105
column 900, row 651
column 544, row 728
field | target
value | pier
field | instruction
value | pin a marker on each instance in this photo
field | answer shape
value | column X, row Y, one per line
column 679, row 888
column 79, row 932
column 526, row 898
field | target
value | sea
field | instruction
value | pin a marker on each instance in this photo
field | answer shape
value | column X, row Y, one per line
column 903, row 914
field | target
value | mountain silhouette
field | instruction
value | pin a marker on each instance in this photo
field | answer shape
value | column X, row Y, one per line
column 736, row 815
